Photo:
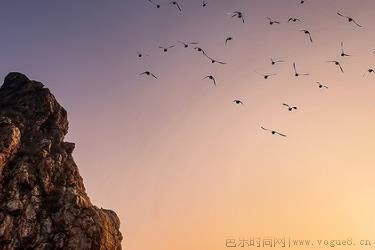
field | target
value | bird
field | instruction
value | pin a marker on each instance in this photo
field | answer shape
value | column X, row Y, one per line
column 294, row 19
column 186, row 44
column 369, row 71
column 165, row 49
column 204, row 3
column 307, row 33
column 343, row 54
column 140, row 54
column 273, row 62
column 228, row 39
column 239, row 102
column 265, row 76
column 156, row 5
column 175, row 3
column 350, row 19
column 272, row 22
column 296, row 74
column 302, row 1
column 320, row 85
column 237, row 14
column 273, row 131
column 211, row 78
column 338, row 64
column 148, row 73
column 290, row 108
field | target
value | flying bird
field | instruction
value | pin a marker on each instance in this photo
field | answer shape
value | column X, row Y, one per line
column 204, row 3
column 320, row 85
column 369, row 71
column 148, row 73
column 237, row 14
column 272, row 22
column 350, row 19
column 140, row 54
column 228, row 39
column 211, row 78
column 296, row 74
column 265, row 76
column 273, row 62
column 186, row 44
column 294, row 19
column 165, row 49
column 338, row 64
column 290, row 108
column 343, row 54
column 155, row 4
column 307, row 33
column 239, row 102
column 273, row 131
column 175, row 3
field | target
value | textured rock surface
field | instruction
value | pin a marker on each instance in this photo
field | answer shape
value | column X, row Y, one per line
column 43, row 203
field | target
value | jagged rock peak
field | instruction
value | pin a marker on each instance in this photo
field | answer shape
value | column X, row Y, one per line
column 43, row 202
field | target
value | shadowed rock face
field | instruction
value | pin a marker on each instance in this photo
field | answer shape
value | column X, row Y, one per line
column 43, row 203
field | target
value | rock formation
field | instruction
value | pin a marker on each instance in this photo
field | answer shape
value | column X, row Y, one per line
column 43, row 203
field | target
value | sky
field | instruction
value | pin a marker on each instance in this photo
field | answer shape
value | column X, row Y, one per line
column 182, row 165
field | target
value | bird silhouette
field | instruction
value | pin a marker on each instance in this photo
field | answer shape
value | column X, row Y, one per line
column 320, row 85
column 237, row 14
column 204, row 3
column 274, row 62
column 272, row 22
column 228, row 39
column 148, row 73
column 307, row 33
column 186, row 44
column 165, row 49
column 343, row 54
column 338, row 64
column 294, row 19
column 296, row 74
column 369, row 71
column 350, row 19
column 274, row 132
column 140, row 54
column 155, row 4
column 239, row 102
column 290, row 108
column 265, row 76
column 175, row 3
column 211, row 78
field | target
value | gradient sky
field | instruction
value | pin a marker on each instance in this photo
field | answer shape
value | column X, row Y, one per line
column 183, row 167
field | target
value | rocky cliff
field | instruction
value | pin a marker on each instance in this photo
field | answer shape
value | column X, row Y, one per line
column 43, row 203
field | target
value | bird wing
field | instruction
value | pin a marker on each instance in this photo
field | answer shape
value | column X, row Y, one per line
column 280, row 134
column 290, row 19
column 294, row 66
column 205, row 77
column 220, row 62
column 342, row 15
column 172, row 46
column 286, row 105
column 264, row 128
column 354, row 21
column 310, row 37
column 194, row 43
column 178, row 6
column 341, row 68
column 142, row 73
column 154, row 76
column 160, row 47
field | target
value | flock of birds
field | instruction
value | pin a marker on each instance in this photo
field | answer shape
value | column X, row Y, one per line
column 240, row 15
